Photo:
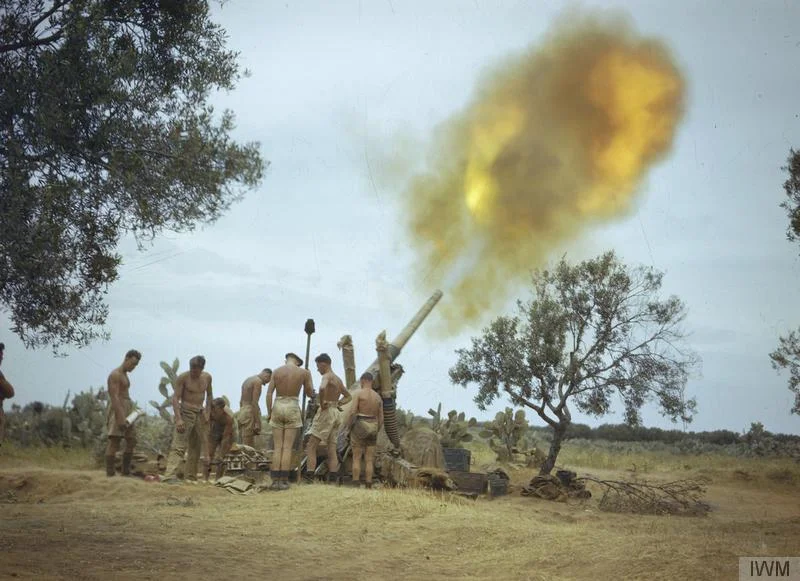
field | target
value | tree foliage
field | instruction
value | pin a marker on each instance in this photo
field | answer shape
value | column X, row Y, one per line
column 792, row 188
column 787, row 355
column 591, row 332
column 105, row 130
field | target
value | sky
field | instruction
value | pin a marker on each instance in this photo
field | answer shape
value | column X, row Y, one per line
column 335, row 87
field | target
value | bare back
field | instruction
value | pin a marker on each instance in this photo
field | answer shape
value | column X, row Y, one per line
column 192, row 391
column 332, row 386
column 288, row 379
column 368, row 403
column 251, row 391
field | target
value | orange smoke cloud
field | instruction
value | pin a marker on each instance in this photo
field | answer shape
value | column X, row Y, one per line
column 555, row 141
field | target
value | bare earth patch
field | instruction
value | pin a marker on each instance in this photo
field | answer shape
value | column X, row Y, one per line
column 68, row 524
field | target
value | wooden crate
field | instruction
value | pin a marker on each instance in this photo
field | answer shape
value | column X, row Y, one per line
column 497, row 485
column 469, row 481
column 456, row 459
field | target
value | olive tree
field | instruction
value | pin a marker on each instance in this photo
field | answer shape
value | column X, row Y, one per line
column 787, row 355
column 590, row 333
column 105, row 130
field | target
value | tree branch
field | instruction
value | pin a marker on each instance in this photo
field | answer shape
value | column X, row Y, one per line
column 30, row 43
column 47, row 14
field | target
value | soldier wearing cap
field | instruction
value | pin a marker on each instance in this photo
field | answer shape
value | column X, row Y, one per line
column 325, row 426
column 285, row 416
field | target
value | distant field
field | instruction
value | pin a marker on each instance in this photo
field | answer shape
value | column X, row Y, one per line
column 59, row 519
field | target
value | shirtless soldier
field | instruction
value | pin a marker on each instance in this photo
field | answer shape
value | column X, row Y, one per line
column 6, row 392
column 191, row 388
column 366, row 420
column 119, row 406
column 220, row 437
column 285, row 416
column 249, row 413
column 325, row 426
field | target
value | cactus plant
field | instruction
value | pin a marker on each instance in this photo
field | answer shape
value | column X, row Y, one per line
column 506, row 434
column 436, row 414
column 454, row 430
column 405, row 420
column 171, row 377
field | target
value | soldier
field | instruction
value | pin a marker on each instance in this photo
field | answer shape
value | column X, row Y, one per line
column 119, row 406
column 249, row 417
column 6, row 392
column 365, row 421
column 220, row 437
column 285, row 417
column 191, row 388
column 325, row 426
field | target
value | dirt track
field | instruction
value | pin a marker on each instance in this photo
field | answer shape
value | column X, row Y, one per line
column 62, row 524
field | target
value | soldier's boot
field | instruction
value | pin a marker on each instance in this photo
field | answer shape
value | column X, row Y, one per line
column 275, row 476
column 110, row 462
column 368, row 485
column 126, row 463
column 334, row 478
column 220, row 471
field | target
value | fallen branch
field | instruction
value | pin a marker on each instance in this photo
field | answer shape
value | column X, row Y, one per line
column 680, row 497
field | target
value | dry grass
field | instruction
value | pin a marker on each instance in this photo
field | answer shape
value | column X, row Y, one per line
column 780, row 472
column 12, row 456
column 65, row 524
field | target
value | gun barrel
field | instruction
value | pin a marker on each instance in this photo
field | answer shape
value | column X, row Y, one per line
column 405, row 334
column 415, row 323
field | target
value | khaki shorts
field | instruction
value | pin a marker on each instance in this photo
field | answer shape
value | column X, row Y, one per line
column 286, row 413
column 111, row 421
column 245, row 420
column 364, row 432
column 326, row 424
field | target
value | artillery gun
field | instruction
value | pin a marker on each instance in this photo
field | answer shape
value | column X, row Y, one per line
column 386, row 371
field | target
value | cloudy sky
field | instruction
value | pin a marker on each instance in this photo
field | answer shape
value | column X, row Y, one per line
column 333, row 87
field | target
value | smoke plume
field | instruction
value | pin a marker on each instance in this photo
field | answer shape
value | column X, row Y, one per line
column 554, row 141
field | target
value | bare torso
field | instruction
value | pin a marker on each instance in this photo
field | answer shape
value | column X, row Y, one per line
column 288, row 379
column 119, row 378
column 251, row 391
column 6, row 390
column 223, row 422
column 368, row 403
column 193, row 390
column 333, row 387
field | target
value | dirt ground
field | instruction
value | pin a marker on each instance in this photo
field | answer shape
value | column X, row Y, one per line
column 77, row 524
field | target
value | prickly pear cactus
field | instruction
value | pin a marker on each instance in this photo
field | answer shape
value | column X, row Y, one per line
column 453, row 431
column 171, row 377
column 405, row 420
column 436, row 414
column 506, row 434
